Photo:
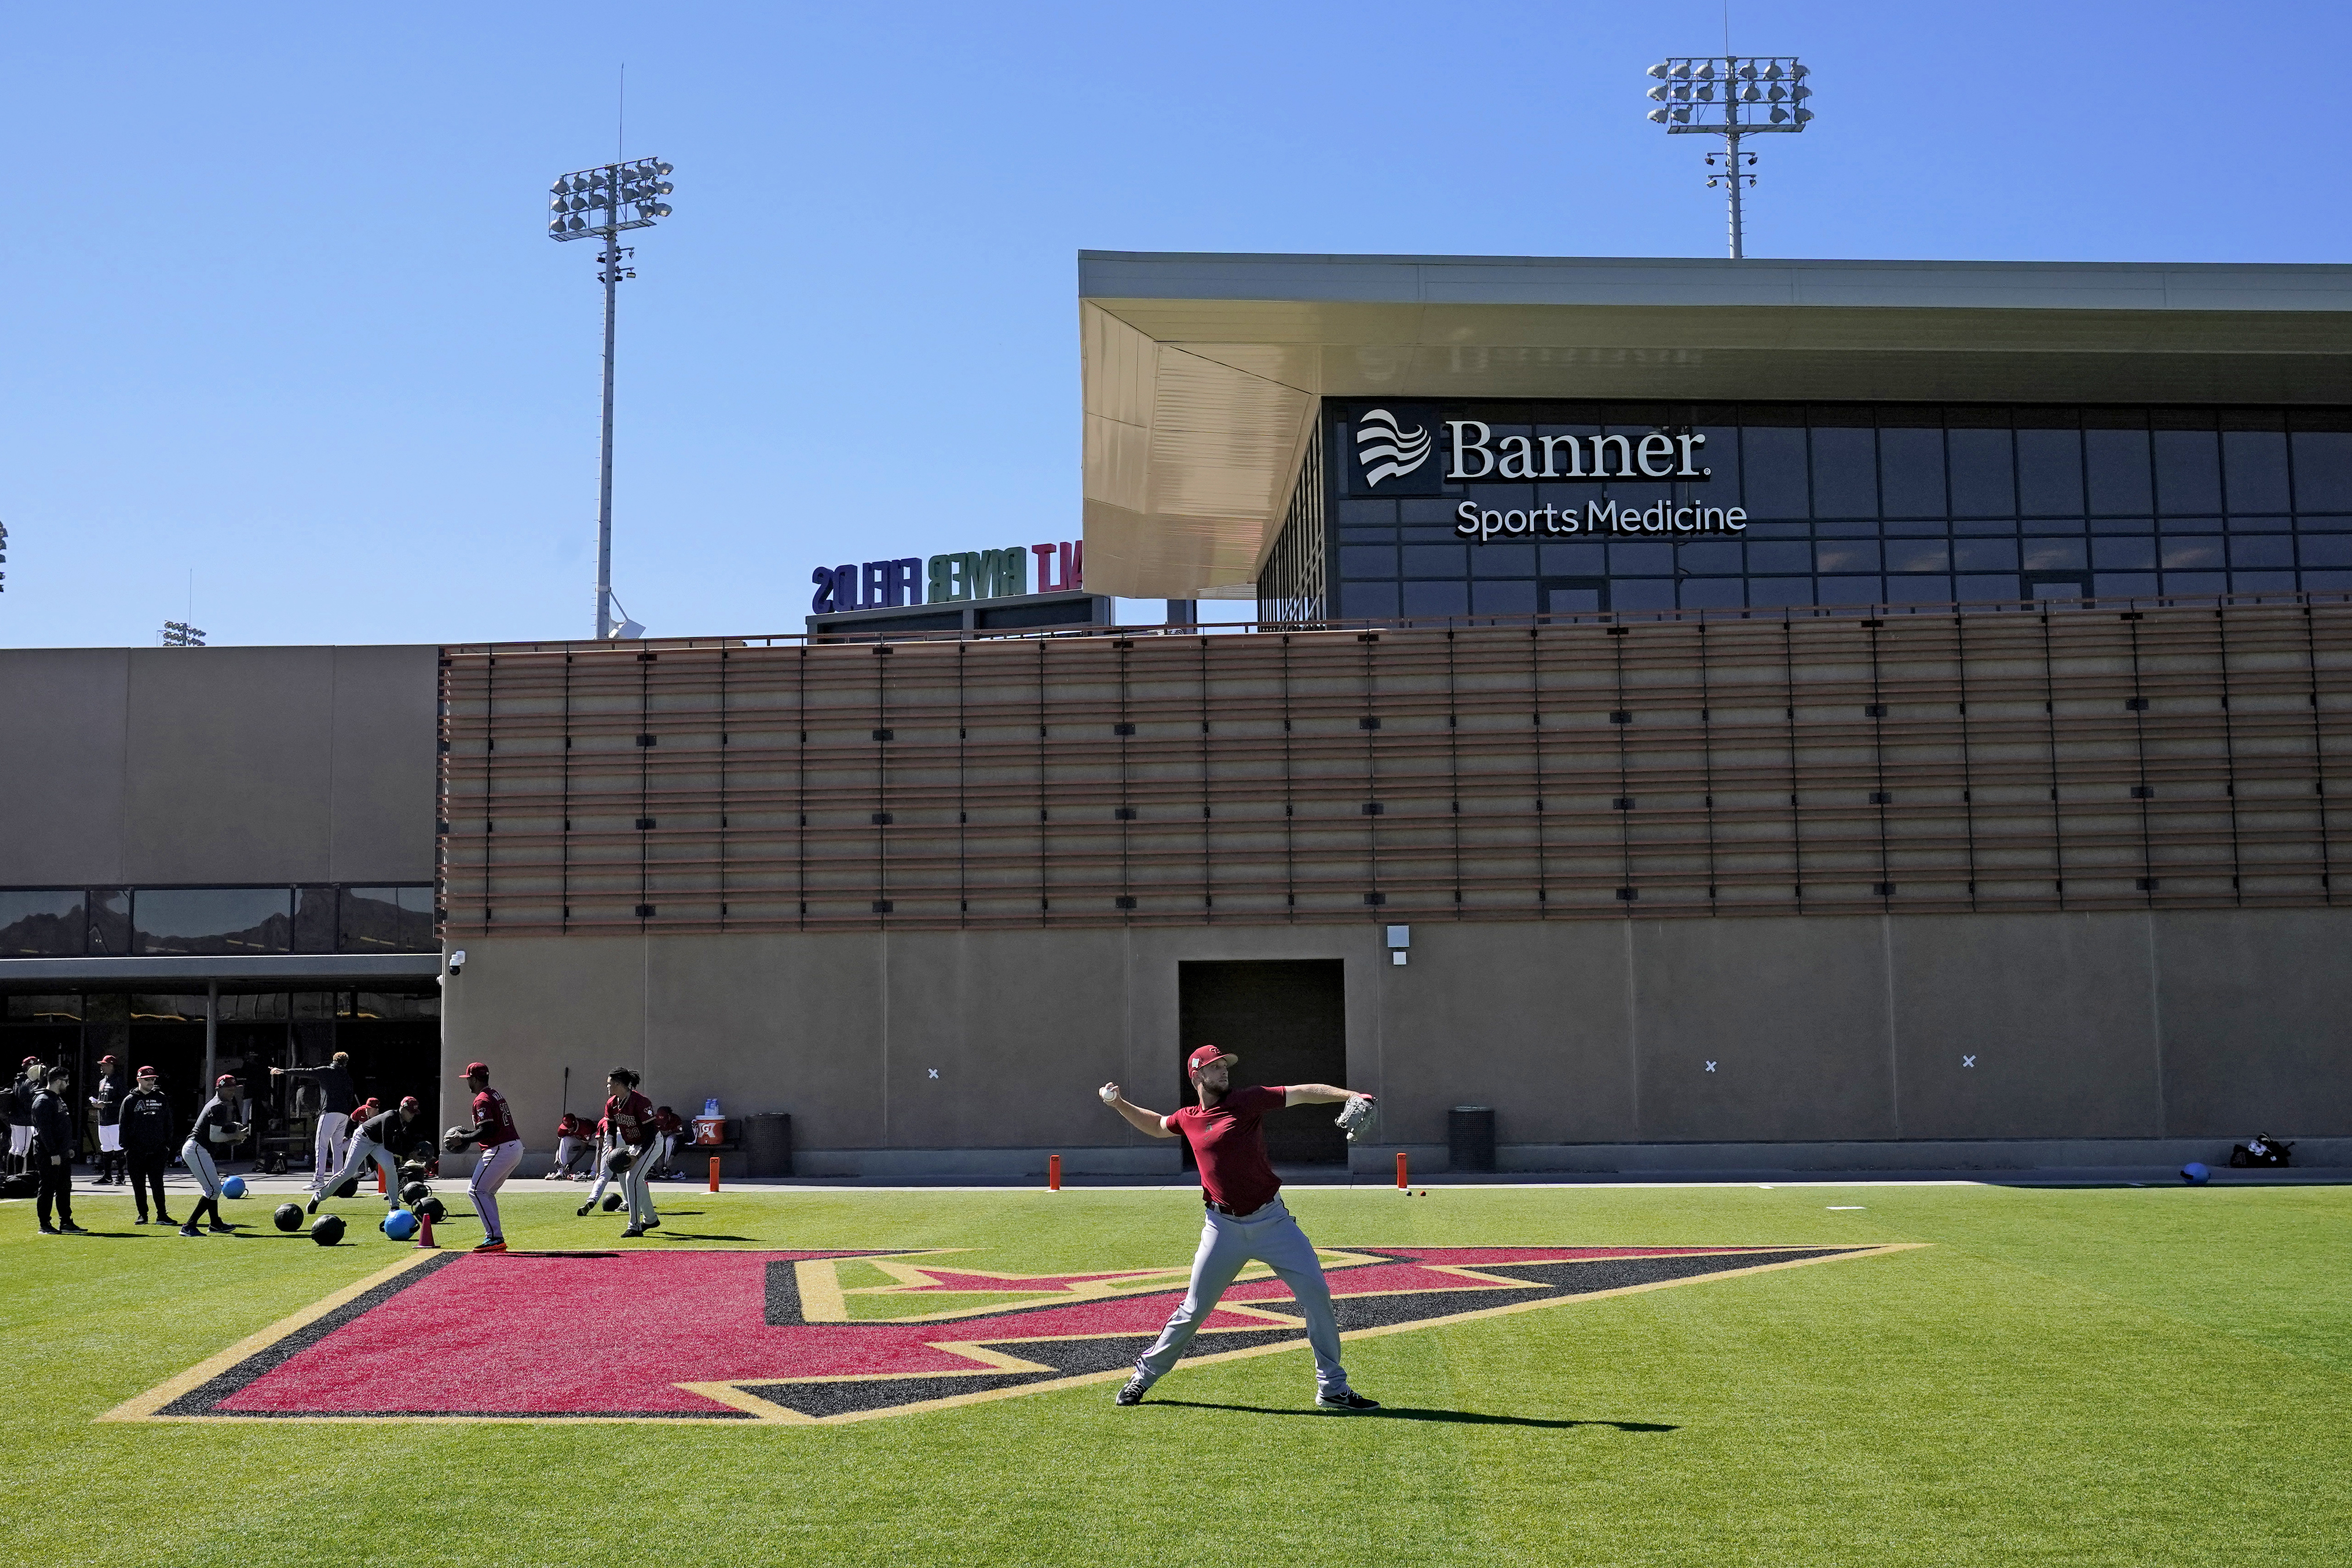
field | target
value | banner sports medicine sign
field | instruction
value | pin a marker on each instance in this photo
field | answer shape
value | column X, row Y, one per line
column 1399, row 451
column 950, row 578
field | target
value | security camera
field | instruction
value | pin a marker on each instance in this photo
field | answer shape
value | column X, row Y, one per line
column 456, row 960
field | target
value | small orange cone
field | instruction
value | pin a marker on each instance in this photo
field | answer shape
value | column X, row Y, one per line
column 424, row 1232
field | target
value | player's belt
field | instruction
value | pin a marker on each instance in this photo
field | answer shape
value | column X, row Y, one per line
column 1228, row 1209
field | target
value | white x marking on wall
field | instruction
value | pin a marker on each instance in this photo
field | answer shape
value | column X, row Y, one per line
column 1968, row 1061
column 1710, row 1067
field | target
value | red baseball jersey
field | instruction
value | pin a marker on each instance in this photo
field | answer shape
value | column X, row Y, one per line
column 631, row 1120
column 495, row 1121
column 1230, row 1147
column 667, row 1123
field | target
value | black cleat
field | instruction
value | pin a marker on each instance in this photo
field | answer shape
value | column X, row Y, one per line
column 1345, row 1402
column 190, row 1231
column 582, row 1210
column 314, row 1206
column 1132, row 1393
column 653, row 1224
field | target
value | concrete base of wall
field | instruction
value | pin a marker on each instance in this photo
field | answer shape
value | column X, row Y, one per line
column 885, row 1164
column 2010, row 1156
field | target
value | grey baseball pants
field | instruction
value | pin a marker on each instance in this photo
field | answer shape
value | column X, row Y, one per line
column 1270, row 1236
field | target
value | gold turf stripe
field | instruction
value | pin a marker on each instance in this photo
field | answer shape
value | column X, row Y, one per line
column 143, row 1407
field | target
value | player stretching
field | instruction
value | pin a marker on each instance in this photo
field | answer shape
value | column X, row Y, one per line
column 630, row 1116
column 217, row 1126
column 494, row 1129
column 380, row 1141
column 1246, row 1219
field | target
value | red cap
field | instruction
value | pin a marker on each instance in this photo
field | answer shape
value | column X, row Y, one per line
column 476, row 1069
column 149, row 1073
column 408, row 1103
column 30, row 1062
column 109, row 1058
column 225, row 1079
column 1206, row 1055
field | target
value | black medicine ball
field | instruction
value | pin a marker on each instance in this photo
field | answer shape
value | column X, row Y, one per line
column 347, row 1189
column 620, row 1161
column 288, row 1216
column 612, row 1201
column 431, row 1208
column 328, row 1230
column 414, row 1192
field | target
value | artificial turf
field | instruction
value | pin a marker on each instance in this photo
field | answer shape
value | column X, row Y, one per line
column 2091, row 1375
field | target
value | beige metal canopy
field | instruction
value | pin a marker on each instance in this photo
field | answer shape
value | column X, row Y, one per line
column 1202, row 373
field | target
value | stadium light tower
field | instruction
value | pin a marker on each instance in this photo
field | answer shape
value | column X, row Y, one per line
column 599, row 204
column 1731, row 96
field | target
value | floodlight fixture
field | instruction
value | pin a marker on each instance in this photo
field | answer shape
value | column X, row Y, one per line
column 180, row 634
column 1731, row 96
column 600, row 203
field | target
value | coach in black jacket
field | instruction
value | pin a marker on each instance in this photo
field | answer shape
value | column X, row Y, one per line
column 147, row 1142
column 52, row 1152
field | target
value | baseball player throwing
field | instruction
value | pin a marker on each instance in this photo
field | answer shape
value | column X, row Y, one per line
column 1245, row 1220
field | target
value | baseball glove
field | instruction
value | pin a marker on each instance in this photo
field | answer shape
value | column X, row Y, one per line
column 1356, row 1117
column 456, row 1139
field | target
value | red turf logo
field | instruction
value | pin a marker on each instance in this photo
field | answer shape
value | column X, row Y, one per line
column 828, row 1337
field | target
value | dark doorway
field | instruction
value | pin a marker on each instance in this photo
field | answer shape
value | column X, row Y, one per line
column 1287, row 1021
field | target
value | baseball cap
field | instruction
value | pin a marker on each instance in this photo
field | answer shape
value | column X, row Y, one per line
column 1205, row 1055
column 110, row 1057
column 473, row 1069
column 225, row 1079
column 408, row 1103
column 30, row 1062
column 149, row 1073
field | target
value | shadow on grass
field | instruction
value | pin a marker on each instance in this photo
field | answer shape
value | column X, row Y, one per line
column 703, row 1236
column 1405, row 1412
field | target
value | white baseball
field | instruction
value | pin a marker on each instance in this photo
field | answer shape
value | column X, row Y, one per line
column 1109, row 1092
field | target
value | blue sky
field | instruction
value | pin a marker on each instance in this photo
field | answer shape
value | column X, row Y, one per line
column 280, row 311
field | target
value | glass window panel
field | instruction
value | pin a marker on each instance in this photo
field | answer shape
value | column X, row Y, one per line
column 2050, row 473
column 1911, row 472
column 1647, row 560
column 1985, row 555
column 400, row 919
column 1869, row 530
column 1719, row 455
column 2323, row 470
column 1984, row 482
column 2115, row 463
column 2132, row 583
column 1367, row 600
column 1846, row 472
column 109, row 923
column 1713, row 593
column 314, row 920
column 2123, row 525
column 1365, row 560
column 379, row 1005
column 2193, row 552
column 1571, row 600
column 1715, row 557
column 1504, row 598
column 2255, row 463
column 2333, row 525
column 1437, row 598
column 1918, row 555
column 1847, row 555
column 2327, row 549
column 1779, row 592
column 1426, row 511
column 2262, row 582
column 1641, row 593
column 2188, row 471
column 1986, row 525
column 38, row 922
column 214, row 920
column 1804, row 530
column 1429, row 536
column 2196, row 583
column 2192, row 525
column 2265, row 549
column 252, row 1007
column 1583, row 559
column 43, row 1009
column 1436, row 560
column 1503, row 560
column 1902, row 590
column 1368, row 536
column 1776, row 557
column 2055, row 555
column 1772, row 462
column 1368, row 512
column 2123, row 554
column 1915, row 528
column 2241, row 523
column 1851, row 591
column 1985, row 589
column 2326, row 582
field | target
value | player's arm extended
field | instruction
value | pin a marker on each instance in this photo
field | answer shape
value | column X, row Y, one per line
column 1320, row 1095
column 1141, row 1120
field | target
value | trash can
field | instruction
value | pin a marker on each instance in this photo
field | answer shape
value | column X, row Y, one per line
column 768, row 1145
column 1470, row 1137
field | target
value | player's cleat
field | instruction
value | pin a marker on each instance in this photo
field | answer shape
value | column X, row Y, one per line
column 70, row 1229
column 314, row 1206
column 1347, row 1401
column 217, row 1229
column 584, row 1209
column 51, row 1231
column 494, row 1244
column 1132, row 1393
column 633, row 1230
column 653, row 1225
column 190, row 1231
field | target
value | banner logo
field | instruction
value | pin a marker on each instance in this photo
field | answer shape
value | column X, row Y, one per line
column 1386, row 450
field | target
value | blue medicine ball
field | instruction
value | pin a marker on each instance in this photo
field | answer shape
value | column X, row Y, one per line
column 2194, row 1174
column 400, row 1225
column 233, row 1187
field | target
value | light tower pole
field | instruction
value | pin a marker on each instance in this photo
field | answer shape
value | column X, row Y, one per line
column 600, row 202
column 1731, row 96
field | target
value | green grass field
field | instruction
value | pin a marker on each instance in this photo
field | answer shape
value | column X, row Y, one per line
column 2138, row 1377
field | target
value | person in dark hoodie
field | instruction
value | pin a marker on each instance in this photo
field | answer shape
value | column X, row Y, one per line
column 52, row 1152
column 147, row 1142
column 337, row 1099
